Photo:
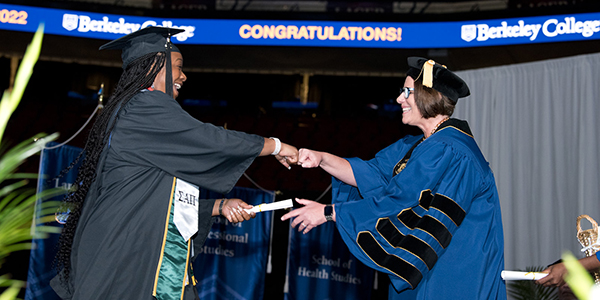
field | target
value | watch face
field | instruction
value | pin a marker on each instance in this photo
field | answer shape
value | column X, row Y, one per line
column 328, row 211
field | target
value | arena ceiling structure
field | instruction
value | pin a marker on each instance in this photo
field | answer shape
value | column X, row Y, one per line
column 335, row 61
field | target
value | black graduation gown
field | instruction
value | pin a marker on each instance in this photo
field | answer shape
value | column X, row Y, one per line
column 118, row 238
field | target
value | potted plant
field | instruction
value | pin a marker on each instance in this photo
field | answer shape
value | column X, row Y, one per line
column 17, row 197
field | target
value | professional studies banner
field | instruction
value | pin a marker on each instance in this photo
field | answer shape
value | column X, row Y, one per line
column 310, row 33
column 320, row 267
column 233, row 260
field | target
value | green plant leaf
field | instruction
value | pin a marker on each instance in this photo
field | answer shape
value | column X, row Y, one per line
column 578, row 279
column 15, row 156
column 11, row 189
column 14, row 286
column 23, row 176
column 10, row 99
column 16, row 219
column 17, row 201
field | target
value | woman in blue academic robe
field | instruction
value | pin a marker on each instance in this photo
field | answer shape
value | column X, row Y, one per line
column 425, row 210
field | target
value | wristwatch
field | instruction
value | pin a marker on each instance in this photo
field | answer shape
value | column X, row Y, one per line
column 328, row 211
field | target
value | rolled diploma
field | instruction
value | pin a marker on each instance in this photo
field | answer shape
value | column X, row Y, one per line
column 516, row 275
column 271, row 206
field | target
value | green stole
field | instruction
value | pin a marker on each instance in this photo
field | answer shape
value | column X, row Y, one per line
column 173, row 265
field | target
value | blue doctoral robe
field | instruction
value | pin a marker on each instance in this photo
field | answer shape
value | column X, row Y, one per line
column 436, row 226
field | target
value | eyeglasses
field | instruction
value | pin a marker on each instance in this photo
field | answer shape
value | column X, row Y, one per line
column 406, row 91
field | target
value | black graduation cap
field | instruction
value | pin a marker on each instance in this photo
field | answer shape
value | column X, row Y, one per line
column 147, row 40
column 438, row 77
column 139, row 43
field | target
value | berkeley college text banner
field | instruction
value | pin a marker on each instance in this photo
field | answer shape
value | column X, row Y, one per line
column 311, row 33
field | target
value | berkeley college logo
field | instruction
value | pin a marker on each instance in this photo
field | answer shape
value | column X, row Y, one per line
column 70, row 21
column 468, row 32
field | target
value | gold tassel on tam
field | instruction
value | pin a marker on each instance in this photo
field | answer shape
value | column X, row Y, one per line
column 428, row 73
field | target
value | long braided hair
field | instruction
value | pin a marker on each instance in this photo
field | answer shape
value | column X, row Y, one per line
column 138, row 75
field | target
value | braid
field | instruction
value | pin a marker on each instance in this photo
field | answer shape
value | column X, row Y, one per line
column 140, row 74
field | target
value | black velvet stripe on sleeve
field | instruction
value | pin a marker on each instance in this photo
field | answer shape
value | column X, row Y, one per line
column 394, row 264
column 434, row 227
column 409, row 218
column 409, row 243
column 425, row 199
column 428, row 224
column 449, row 208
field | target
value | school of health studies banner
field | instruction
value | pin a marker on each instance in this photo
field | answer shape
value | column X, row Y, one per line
column 232, row 262
column 321, row 267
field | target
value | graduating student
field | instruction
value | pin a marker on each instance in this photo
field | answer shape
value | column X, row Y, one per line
column 135, row 216
column 425, row 210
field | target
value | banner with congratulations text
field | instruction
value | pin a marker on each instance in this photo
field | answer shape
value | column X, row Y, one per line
column 311, row 33
column 232, row 262
column 321, row 267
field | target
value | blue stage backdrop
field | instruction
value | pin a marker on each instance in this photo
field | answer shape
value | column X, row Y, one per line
column 52, row 162
column 321, row 267
column 233, row 261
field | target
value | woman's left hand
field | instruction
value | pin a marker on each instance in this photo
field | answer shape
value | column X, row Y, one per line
column 307, row 217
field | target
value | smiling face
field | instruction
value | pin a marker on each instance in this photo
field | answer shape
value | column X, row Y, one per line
column 411, row 115
column 178, row 76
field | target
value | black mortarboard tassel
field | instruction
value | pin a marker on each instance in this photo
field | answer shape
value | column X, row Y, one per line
column 438, row 77
column 144, row 41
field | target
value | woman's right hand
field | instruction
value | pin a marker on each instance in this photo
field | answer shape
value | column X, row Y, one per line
column 288, row 155
column 234, row 210
column 307, row 217
column 309, row 158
